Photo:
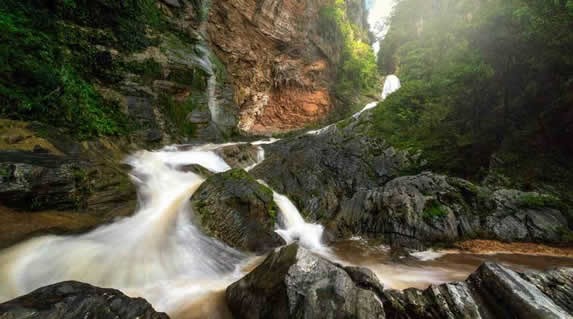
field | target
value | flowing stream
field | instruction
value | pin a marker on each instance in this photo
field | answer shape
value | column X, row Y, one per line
column 158, row 253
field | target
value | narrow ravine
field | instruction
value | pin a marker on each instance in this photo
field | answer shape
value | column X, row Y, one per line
column 159, row 254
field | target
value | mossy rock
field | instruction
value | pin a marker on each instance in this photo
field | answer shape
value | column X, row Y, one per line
column 234, row 208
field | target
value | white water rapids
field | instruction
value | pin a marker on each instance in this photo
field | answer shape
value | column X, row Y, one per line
column 157, row 253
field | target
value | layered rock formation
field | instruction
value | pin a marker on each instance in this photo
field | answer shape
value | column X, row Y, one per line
column 303, row 285
column 280, row 65
column 72, row 300
column 55, row 184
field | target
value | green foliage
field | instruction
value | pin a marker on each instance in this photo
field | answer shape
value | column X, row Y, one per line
column 479, row 78
column 434, row 209
column 50, row 53
column 128, row 18
column 535, row 200
column 177, row 113
column 357, row 70
column 39, row 82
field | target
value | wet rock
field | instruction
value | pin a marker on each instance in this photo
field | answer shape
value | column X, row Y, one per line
column 493, row 291
column 508, row 295
column 292, row 282
column 557, row 284
column 351, row 183
column 239, row 155
column 197, row 169
column 234, row 208
column 321, row 172
column 364, row 278
column 71, row 300
column 34, row 181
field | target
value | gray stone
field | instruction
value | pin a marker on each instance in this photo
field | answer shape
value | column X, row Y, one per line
column 292, row 282
column 72, row 300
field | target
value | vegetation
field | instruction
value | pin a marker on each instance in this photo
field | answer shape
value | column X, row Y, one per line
column 357, row 70
column 535, row 200
column 482, row 80
column 48, row 60
column 434, row 209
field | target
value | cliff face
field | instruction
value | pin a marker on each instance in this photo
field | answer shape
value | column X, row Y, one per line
column 280, row 66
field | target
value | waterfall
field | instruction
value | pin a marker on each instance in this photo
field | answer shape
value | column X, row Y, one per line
column 157, row 253
column 391, row 85
column 293, row 227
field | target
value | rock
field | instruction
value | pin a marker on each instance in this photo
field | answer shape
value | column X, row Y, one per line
column 525, row 216
column 493, row 291
column 364, row 278
column 40, row 149
column 198, row 117
column 350, row 182
column 13, row 139
column 173, row 3
column 292, row 282
column 239, row 155
column 278, row 60
column 34, row 181
column 507, row 294
column 197, row 169
column 320, row 173
column 72, row 300
column 556, row 283
column 234, row 208
column 153, row 136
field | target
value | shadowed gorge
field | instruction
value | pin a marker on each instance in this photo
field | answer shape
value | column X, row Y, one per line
column 223, row 159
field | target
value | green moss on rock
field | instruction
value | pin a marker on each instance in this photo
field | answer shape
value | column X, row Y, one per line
column 235, row 208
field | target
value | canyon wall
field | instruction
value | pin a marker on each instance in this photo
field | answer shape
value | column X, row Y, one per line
column 282, row 68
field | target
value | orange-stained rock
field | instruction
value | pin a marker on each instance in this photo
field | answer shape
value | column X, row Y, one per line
column 280, row 65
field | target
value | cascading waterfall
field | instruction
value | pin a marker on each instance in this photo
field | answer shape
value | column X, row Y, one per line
column 391, row 85
column 157, row 253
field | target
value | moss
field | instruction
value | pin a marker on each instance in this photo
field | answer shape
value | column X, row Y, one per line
column 534, row 200
column 177, row 113
column 434, row 209
column 41, row 79
column 195, row 78
column 273, row 212
column 148, row 69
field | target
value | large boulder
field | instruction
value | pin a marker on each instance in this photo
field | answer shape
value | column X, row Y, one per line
column 351, row 182
column 234, row 208
column 429, row 208
column 72, row 300
column 295, row 283
column 35, row 181
column 493, row 291
column 320, row 172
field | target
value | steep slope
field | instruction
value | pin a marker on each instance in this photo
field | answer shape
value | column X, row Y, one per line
column 282, row 62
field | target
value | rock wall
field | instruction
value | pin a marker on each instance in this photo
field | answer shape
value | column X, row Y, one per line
column 280, row 66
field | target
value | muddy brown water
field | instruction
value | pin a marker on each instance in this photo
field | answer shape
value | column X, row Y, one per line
column 432, row 267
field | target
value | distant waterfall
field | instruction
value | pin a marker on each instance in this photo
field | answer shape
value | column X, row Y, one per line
column 391, row 85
